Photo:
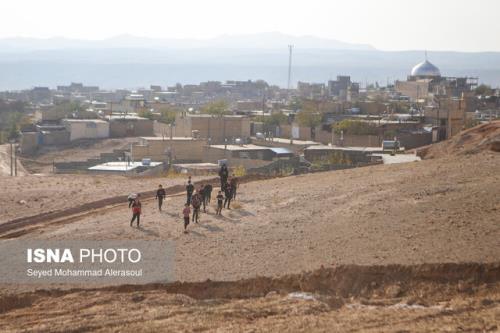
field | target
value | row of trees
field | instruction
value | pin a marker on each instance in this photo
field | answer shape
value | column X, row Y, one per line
column 167, row 114
column 12, row 117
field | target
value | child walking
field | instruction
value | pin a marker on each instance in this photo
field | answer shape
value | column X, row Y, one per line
column 186, row 212
column 220, row 200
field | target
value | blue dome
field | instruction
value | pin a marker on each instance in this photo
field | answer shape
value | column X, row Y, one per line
column 425, row 68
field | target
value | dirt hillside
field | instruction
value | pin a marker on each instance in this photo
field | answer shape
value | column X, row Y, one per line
column 386, row 248
column 480, row 138
column 5, row 162
column 433, row 211
column 423, row 298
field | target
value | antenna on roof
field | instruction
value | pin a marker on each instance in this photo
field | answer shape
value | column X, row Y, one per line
column 425, row 55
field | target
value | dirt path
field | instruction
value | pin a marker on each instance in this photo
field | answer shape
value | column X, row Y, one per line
column 40, row 196
column 432, row 211
column 5, row 162
column 25, row 225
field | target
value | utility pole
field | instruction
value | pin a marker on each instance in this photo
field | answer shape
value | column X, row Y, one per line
column 290, row 48
column 11, row 160
column 15, row 161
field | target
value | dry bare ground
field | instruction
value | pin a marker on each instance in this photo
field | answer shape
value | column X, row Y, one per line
column 5, row 154
column 80, row 150
column 425, row 234
column 423, row 298
column 441, row 210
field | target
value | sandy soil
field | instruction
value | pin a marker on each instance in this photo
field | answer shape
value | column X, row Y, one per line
column 443, row 210
column 440, row 210
column 346, row 299
column 35, row 194
column 480, row 138
column 5, row 162
column 157, row 312
column 79, row 151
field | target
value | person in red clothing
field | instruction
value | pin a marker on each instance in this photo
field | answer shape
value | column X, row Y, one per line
column 186, row 212
column 136, row 210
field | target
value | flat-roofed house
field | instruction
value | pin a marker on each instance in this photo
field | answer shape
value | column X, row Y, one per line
column 86, row 128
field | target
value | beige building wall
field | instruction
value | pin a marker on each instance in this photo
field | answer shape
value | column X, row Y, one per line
column 213, row 127
column 451, row 115
column 86, row 129
column 213, row 155
column 50, row 115
column 179, row 130
column 156, row 148
column 29, row 142
column 121, row 127
column 413, row 89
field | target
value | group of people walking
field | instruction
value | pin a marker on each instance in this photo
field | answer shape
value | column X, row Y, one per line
column 228, row 185
column 202, row 197
column 195, row 199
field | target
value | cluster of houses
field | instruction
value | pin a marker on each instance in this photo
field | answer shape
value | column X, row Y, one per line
column 425, row 108
column 55, row 131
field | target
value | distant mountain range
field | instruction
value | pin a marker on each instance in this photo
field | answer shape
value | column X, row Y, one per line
column 133, row 62
column 268, row 40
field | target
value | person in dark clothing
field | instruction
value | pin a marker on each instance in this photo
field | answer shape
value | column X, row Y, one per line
column 189, row 191
column 201, row 192
column 228, row 192
column 136, row 211
column 196, row 203
column 160, row 195
column 223, row 174
column 186, row 212
column 131, row 197
column 208, row 193
column 234, row 185
column 220, row 199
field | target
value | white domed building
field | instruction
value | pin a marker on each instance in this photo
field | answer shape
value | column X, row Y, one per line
column 424, row 84
column 425, row 81
column 425, row 69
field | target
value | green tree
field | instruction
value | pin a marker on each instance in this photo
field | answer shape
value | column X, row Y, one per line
column 275, row 119
column 167, row 114
column 483, row 90
column 12, row 117
column 354, row 127
column 13, row 133
column 146, row 114
column 311, row 118
column 272, row 121
column 68, row 107
column 216, row 108
column 296, row 104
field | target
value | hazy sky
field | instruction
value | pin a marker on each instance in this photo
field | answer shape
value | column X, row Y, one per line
column 462, row 25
